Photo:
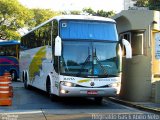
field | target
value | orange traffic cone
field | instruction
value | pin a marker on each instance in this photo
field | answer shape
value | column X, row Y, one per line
column 7, row 101
column 7, row 74
column 5, row 90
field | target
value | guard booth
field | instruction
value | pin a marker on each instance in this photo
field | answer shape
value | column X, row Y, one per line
column 141, row 74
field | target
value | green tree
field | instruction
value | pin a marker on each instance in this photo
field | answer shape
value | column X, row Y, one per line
column 141, row 3
column 13, row 16
column 75, row 12
column 98, row 13
column 41, row 15
column 104, row 13
column 154, row 5
column 89, row 11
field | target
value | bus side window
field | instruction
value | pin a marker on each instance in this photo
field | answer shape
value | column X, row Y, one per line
column 2, row 51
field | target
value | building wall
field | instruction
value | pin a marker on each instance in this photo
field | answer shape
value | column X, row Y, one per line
column 137, row 76
column 137, row 19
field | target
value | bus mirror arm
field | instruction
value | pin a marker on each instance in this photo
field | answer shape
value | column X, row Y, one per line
column 128, row 48
column 58, row 46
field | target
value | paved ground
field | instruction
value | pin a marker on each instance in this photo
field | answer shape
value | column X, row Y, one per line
column 34, row 104
column 146, row 106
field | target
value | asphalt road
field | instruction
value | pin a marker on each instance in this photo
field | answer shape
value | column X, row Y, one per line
column 34, row 104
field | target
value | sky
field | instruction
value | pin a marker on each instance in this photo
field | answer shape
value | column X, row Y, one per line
column 67, row 5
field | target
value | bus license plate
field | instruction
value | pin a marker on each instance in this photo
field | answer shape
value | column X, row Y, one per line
column 92, row 92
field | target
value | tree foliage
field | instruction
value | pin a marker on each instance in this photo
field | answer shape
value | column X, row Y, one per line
column 73, row 12
column 41, row 15
column 90, row 11
column 13, row 16
column 141, row 3
column 154, row 5
column 98, row 13
column 104, row 13
column 151, row 4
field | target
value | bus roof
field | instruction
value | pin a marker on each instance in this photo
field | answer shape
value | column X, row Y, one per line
column 74, row 17
column 9, row 42
column 83, row 17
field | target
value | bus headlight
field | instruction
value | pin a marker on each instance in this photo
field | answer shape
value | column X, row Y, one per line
column 117, row 86
column 68, row 84
column 114, row 85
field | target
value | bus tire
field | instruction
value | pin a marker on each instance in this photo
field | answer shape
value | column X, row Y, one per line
column 48, row 88
column 14, row 75
column 26, row 86
column 98, row 100
column 23, row 76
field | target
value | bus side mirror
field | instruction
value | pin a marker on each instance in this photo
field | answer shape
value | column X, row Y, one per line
column 58, row 46
column 128, row 48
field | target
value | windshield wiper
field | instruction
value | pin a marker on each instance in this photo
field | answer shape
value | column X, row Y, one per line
column 102, row 67
column 84, row 64
column 88, row 59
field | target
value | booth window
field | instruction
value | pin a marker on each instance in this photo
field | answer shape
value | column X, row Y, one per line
column 136, row 39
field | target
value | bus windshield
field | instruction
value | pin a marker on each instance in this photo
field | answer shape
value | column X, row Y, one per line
column 89, row 59
column 9, row 50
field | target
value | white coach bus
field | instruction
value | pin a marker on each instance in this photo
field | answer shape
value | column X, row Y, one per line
column 73, row 55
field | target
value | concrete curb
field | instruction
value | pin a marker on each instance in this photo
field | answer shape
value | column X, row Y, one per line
column 138, row 106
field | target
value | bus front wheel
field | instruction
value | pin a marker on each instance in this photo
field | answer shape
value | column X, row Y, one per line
column 48, row 88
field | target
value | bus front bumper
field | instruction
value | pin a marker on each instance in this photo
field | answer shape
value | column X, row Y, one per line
column 87, row 92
